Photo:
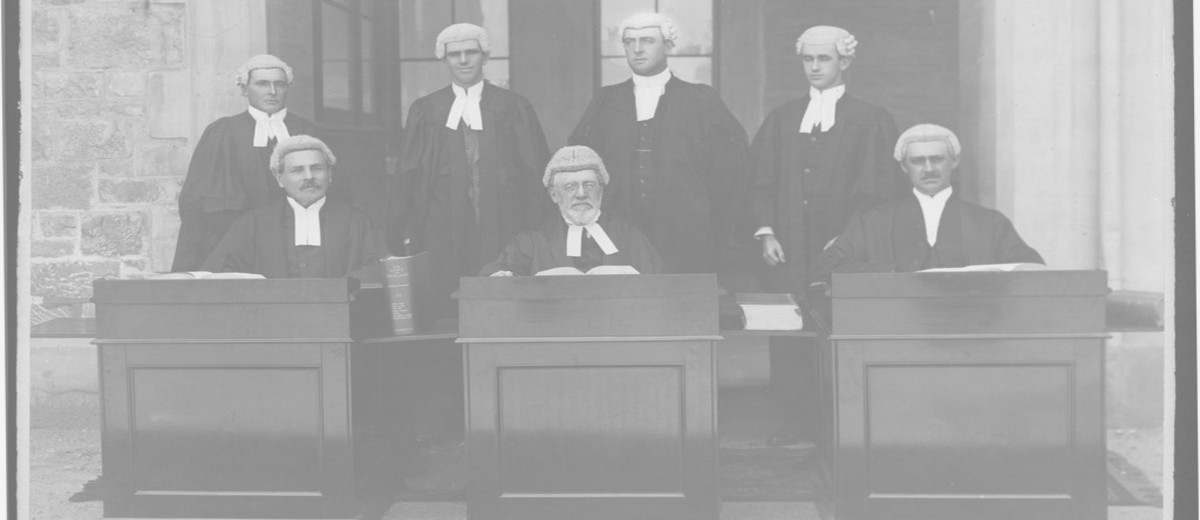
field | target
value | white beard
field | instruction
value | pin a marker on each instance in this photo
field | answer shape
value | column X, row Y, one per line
column 581, row 217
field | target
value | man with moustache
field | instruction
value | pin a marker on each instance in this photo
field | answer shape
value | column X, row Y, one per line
column 817, row 159
column 931, row 227
column 306, row 235
column 469, row 175
column 229, row 172
column 583, row 237
column 675, row 152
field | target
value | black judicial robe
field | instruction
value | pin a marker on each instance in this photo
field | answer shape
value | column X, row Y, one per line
column 806, row 186
column 259, row 240
column 891, row 238
column 432, row 208
column 700, row 153
column 227, row 176
column 536, row 250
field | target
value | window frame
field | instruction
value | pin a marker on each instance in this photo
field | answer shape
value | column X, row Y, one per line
column 598, row 44
column 357, row 12
column 454, row 18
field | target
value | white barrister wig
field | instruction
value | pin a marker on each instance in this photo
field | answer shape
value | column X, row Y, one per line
column 298, row 143
column 462, row 32
column 644, row 20
column 827, row 34
column 262, row 61
column 574, row 159
column 927, row 133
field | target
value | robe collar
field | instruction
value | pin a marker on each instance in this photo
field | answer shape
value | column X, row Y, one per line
column 466, row 107
column 575, row 238
column 268, row 126
column 307, row 222
column 909, row 243
column 822, row 108
column 647, row 90
column 931, row 209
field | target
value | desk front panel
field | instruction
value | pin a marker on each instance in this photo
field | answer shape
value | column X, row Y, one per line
column 969, row 428
column 227, row 430
column 588, row 430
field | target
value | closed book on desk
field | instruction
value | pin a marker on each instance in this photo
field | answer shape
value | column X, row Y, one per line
column 1134, row 310
column 406, row 279
column 770, row 311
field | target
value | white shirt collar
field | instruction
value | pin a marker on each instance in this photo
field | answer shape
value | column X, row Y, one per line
column 307, row 222
column 268, row 126
column 466, row 107
column 931, row 209
column 647, row 90
column 575, row 237
column 822, row 108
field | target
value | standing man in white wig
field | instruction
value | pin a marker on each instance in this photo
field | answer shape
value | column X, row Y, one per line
column 817, row 160
column 676, row 154
column 471, row 168
column 229, row 171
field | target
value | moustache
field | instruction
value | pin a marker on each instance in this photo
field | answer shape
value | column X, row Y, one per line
column 308, row 185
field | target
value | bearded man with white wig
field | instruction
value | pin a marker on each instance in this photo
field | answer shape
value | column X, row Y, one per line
column 930, row 227
column 817, row 159
column 472, row 157
column 583, row 237
column 229, row 173
column 676, row 154
column 305, row 235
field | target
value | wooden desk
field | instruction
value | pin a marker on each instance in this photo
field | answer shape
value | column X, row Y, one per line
column 591, row 397
column 967, row 395
column 227, row 398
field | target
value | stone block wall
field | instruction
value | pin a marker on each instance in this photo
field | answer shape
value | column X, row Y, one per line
column 110, row 122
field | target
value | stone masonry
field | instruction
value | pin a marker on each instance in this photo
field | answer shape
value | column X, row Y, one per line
column 110, row 143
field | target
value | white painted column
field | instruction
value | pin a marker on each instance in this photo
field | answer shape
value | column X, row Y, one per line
column 222, row 35
column 1069, row 105
column 1147, row 149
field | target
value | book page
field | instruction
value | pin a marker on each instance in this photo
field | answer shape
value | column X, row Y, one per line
column 1022, row 266
column 613, row 269
column 559, row 271
column 204, row 275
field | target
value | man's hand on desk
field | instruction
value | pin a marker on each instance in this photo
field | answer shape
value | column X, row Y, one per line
column 772, row 250
column 501, row 273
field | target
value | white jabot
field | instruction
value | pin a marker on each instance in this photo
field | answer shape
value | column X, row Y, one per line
column 575, row 238
column 647, row 90
column 822, row 108
column 268, row 126
column 466, row 107
column 931, row 209
column 308, row 222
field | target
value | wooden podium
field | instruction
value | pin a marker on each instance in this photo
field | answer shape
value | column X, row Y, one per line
column 967, row 395
column 590, row 397
column 227, row 398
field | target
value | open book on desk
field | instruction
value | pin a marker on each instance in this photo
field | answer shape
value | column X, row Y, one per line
column 600, row 269
column 1023, row 266
column 770, row 311
column 204, row 275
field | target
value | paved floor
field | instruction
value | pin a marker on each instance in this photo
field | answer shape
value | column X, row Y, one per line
column 729, row 511
column 65, row 453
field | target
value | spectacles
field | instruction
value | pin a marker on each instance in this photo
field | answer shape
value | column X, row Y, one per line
column 573, row 187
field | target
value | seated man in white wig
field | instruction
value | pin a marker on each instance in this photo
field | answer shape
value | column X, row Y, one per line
column 584, row 237
column 931, row 227
column 228, row 173
column 306, row 234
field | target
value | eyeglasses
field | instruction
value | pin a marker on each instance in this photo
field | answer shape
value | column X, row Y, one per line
column 573, row 187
